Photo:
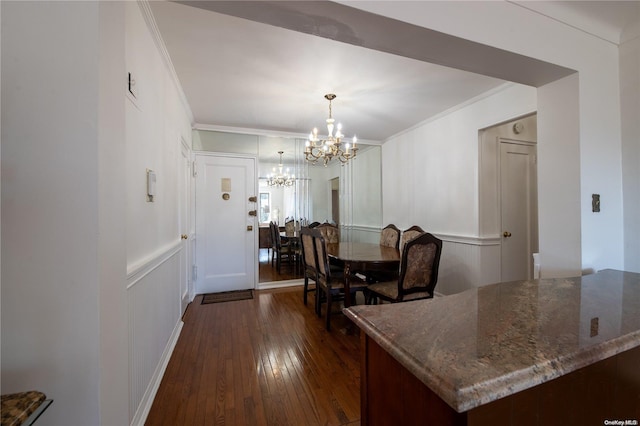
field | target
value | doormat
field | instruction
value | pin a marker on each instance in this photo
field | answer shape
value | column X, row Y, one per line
column 227, row 296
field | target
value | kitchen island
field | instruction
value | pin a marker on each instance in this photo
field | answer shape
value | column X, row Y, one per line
column 537, row 352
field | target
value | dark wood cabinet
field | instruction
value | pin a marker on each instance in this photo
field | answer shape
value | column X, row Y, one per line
column 606, row 390
column 264, row 239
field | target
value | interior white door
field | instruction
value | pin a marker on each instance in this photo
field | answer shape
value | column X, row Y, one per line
column 185, row 226
column 518, row 199
column 225, row 230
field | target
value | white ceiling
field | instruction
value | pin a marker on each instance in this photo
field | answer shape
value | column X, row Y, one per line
column 241, row 74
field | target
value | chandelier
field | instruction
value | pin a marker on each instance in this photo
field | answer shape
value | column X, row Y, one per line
column 280, row 179
column 333, row 146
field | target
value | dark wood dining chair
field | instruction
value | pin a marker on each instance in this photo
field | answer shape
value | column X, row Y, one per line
column 283, row 250
column 330, row 282
column 273, row 241
column 309, row 262
column 409, row 234
column 418, row 273
column 313, row 224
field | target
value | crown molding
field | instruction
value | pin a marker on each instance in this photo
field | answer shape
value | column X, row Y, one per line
column 150, row 20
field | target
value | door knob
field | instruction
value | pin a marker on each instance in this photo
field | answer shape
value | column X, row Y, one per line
column 506, row 234
column 184, row 236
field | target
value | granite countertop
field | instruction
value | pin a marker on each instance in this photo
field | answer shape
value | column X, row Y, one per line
column 486, row 343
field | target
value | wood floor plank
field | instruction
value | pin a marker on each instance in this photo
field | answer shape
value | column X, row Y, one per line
column 264, row 361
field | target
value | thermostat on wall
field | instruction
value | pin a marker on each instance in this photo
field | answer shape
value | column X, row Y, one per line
column 518, row 128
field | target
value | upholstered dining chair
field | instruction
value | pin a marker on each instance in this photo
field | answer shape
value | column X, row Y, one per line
column 309, row 261
column 409, row 234
column 329, row 282
column 418, row 273
column 330, row 232
column 390, row 236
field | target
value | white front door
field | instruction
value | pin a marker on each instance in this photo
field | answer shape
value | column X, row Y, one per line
column 518, row 199
column 225, row 231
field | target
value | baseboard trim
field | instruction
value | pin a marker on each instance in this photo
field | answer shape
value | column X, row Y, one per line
column 474, row 241
column 140, row 417
column 280, row 284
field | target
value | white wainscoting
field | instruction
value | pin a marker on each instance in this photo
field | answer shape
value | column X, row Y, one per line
column 467, row 262
column 153, row 296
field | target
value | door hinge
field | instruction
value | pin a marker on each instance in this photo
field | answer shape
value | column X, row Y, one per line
column 194, row 274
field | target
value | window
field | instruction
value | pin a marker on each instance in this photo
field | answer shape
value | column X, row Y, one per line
column 265, row 207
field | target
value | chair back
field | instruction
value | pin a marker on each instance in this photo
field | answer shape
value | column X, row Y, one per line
column 289, row 228
column 419, row 265
column 275, row 236
column 409, row 234
column 390, row 236
column 324, row 271
column 314, row 224
column 309, row 258
column 271, row 236
column 330, row 233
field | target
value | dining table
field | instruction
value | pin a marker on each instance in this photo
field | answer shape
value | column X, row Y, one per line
column 362, row 258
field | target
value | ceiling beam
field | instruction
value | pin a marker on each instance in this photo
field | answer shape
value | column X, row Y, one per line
column 360, row 28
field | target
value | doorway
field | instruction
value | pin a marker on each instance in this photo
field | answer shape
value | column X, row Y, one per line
column 508, row 195
column 226, row 223
column 518, row 209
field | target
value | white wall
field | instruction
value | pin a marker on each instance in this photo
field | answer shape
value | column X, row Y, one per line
column 367, row 188
column 51, row 206
column 559, row 206
column 430, row 173
column 114, row 345
column 430, row 178
column 508, row 26
column 157, row 121
column 630, row 102
column 90, row 288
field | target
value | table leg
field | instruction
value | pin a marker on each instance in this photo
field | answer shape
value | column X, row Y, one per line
column 347, row 287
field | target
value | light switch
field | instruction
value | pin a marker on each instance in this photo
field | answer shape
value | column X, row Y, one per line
column 595, row 203
column 151, row 185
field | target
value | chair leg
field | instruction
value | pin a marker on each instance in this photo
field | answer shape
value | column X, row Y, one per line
column 367, row 297
column 306, row 289
column 318, row 301
column 329, row 309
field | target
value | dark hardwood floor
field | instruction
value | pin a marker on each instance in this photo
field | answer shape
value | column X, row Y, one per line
column 268, row 273
column 265, row 361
